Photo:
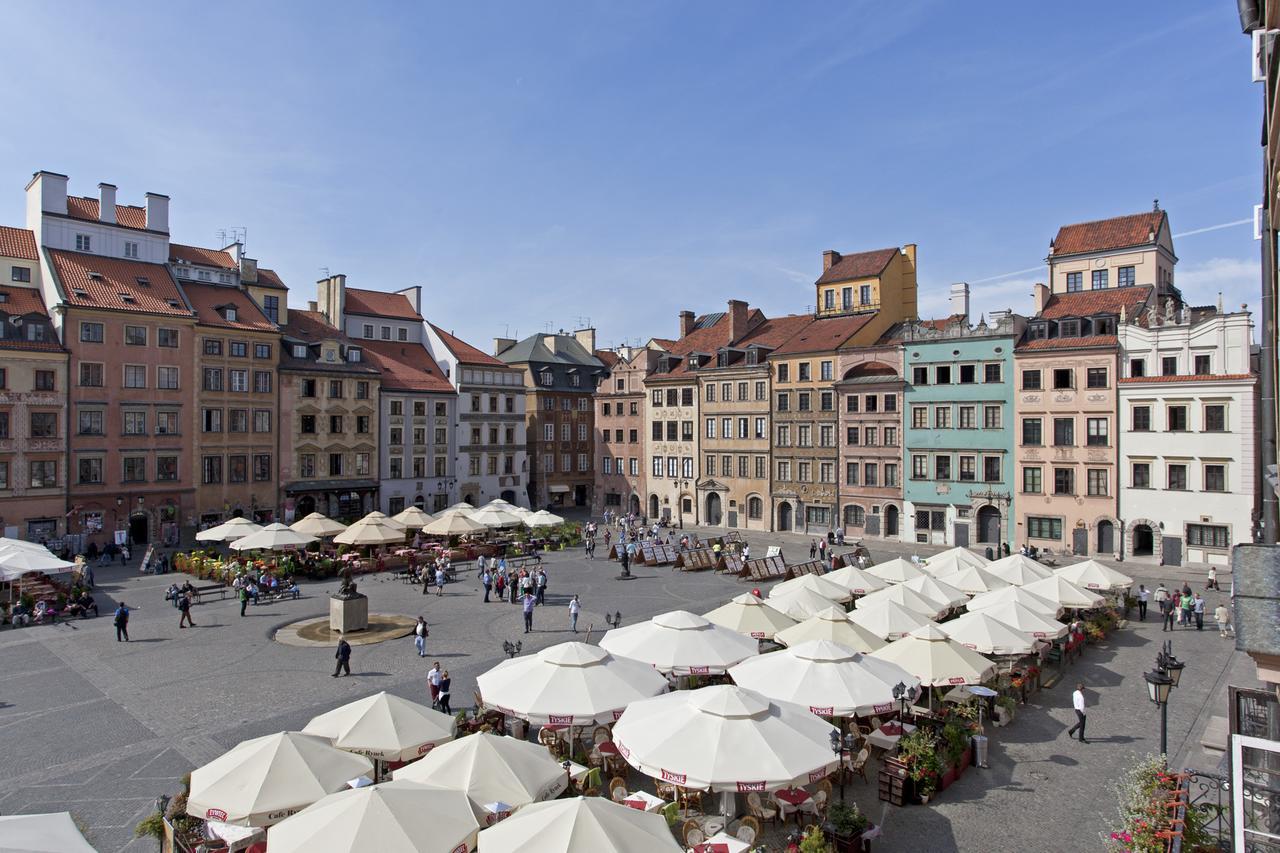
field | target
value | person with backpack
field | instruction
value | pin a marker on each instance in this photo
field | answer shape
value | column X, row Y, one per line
column 122, row 622
column 184, row 605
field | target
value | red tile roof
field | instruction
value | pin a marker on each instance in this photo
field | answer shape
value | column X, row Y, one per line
column 706, row 339
column 607, row 357
column 128, row 216
column 941, row 324
column 1143, row 380
column 208, row 298
column 18, row 243
column 1086, row 303
column 776, row 332
column 824, row 334
column 665, row 343
column 1120, row 232
column 406, row 366
column 206, row 257
column 112, row 277
column 268, row 278
column 1091, row 342
column 21, row 301
column 378, row 303
column 311, row 326
column 465, row 352
column 861, row 265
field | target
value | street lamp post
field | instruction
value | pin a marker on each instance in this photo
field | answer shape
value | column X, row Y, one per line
column 1160, row 683
column 838, row 748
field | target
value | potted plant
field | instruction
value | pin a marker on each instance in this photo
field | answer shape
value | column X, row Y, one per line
column 918, row 750
column 1005, row 706
column 846, row 823
column 813, row 841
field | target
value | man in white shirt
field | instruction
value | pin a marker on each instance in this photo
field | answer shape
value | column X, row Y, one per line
column 574, row 609
column 1144, row 595
column 433, row 682
column 1077, row 702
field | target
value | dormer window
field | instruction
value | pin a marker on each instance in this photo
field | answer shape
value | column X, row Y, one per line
column 664, row 365
column 183, row 272
column 83, row 243
column 694, row 361
column 94, row 275
column 230, row 313
column 80, row 294
column 127, row 298
column 204, row 275
column 354, row 355
column 4, row 297
column 722, row 359
column 130, row 249
column 545, row 377
column 143, row 281
column 1104, row 326
column 1037, row 331
column 1069, row 328
column 299, row 350
column 753, row 356
column 575, row 380
column 173, row 303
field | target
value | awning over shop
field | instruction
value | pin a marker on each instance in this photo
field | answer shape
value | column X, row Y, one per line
column 557, row 489
column 330, row 485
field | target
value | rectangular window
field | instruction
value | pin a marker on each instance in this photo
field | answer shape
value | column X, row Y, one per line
column 851, row 403
column 212, row 379
column 968, row 468
column 135, row 469
column 891, row 474
column 19, row 274
column 90, row 423
column 91, row 333
column 919, row 417
column 803, row 369
column 891, row 402
column 1169, row 365
column 890, row 436
column 1044, row 528
column 1177, row 418
column 802, row 400
column 238, row 381
column 1075, row 282
column 1137, row 367
column 942, row 417
column 1097, row 432
column 212, row 346
column 1177, row 477
column 919, row 467
column 942, row 374
column 166, row 423
column 1031, row 380
column 852, row 435
column 90, row 375
column 1208, row 535
column 1096, row 377
column 1215, row 418
column 784, row 472
column 1142, row 475
column 992, row 417
column 992, row 372
column 1032, row 480
column 1097, row 482
column 1032, row 433
column 1215, row 478
column 238, row 420
column 1099, row 280
column 851, row 473
column 992, row 469
column 261, row 467
column 968, row 417
column 166, row 468
column 44, row 425
column 90, row 471
column 1064, row 481
column 44, row 380
column 262, row 382
column 262, row 420
column 1202, row 365
column 135, row 423
column 135, row 336
column 1126, row 276
column 942, row 467
column 239, row 349
column 1064, row 432
column 1141, row 418
column 871, row 403
column 803, row 472
column 211, row 420
column 919, row 376
column 211, row 469
column 968, row 374
column 1063, row 377
column 83, row 243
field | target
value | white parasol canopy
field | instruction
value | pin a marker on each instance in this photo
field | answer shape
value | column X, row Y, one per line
column 580, row 825
column 680, row 643
column 1029, row 600
column 273, row 537
column 857, row 581
column 24, row 545
column 1018, row 569
column 413, row 518
column 235, row 528
column 931, row 587
column 725, row 738
column 490, row 768
column 262, row 781
column 889, row 619
column 749, row 614
column 987, row 635
column 384, row 726
column 834, row 625
column 937, row 659
column 1094, row 575
column 15, row 562
column 896, row 570
column 491, row 516
column 55, row 832
column 799, row 603
column 374, row 529
column 317, row 525
column 462, row 506
column 961, row 555
column 393, row 817
column 814, row 583
column 453, row 524
column 542, row 518
column 925, row 605
column 1036, row 625
column 971, row 580
column 569, row 684
column 1064, row 593
column 830, row 679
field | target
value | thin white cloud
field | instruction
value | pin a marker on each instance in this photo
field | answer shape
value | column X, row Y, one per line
column 1239, row 280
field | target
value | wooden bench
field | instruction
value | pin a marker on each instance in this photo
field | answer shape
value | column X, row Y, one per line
column 273, row 597
column 220, row 588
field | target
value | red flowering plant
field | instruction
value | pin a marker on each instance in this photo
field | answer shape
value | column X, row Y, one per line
column 1142, row 793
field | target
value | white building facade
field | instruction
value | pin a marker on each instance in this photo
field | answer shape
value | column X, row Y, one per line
column 1188, row 443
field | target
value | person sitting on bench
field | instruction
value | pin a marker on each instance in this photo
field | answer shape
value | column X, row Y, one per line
column 87, row 603
column 292, row 589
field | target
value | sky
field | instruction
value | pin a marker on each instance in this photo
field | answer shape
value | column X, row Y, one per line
column 539, row 166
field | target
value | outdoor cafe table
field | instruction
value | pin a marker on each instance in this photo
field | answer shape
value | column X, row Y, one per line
column 886, row 737
column 793, row 800
column 644, row 801
column 722, row 843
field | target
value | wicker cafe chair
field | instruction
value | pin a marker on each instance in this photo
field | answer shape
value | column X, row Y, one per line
column 601, row 735
column 859, row 765
column 759, row 810
column 748, row 830
column 820, row 801
column 618, row 789
column 825, row 787
column 693, row 834
column 665, row 790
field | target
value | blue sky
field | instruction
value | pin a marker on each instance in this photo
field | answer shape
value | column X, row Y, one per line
column 535, row 164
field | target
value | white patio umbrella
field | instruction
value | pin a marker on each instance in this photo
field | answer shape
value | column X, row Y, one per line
column 1039, row 626
column 1018, row 594
column 961, row 555
column 273, row 537
column 857, row 581
column 453, row 524
column 569, row 684
column 814, row 583
column 1064, row 593
column 799, row 603
column 680, row 643
column 939, row 590
column 925, row 605
column 972, row 580
column 936, row 659
column 318, row 525
column 542, row 518
column 896, row 570
column 413, row 518
column 490, row 768
column 374, row 529
column 22, row 544
column 495, row 517
column 235, row 528
column 834, row 625
column 463, row 506
column 889, row 620
column 579, row 825
column 749, row 614
column 15, row 562
column 829, row 679
column 1094, row 575
column 55, row 832
column 1017, row 569
column 523, row 512
column 725, row 738
column 262, row 781
column 987, row 635
column 393, row 817
column 385, row 727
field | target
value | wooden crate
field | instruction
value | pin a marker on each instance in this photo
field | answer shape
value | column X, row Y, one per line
column 893, row 782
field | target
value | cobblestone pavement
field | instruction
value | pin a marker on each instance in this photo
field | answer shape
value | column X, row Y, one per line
column 102, row 728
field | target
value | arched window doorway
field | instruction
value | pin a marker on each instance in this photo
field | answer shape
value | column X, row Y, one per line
column 784, row 516
column 419, row 501
column 306, row 506
column 713, row 509
column 755, row 508
column 139, row 528
column 854, row 516
column 1106, row 537
column 1144, row 541
column 653, row 506
column 509, row 496
column 988, row 524
column 891, row 520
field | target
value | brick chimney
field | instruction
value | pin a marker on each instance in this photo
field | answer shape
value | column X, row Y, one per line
column 586, row 337
column 1041, row 295
column 829, row 259
column 501, row 345
column 686, row 323
column 737, row 320
column 107, row 203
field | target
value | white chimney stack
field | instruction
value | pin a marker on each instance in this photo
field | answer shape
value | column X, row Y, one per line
column 960, row 299
column 158, row 213
column 107, row 203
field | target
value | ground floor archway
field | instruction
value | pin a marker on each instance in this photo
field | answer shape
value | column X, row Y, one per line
column 1106, row 537
column 139, row 528
column 1144, row 541
column 785, row 516
column 634, row 505
column 714, row 510
column 653, row 506
column 306, row 506
column 988, row 524
column 891, row 520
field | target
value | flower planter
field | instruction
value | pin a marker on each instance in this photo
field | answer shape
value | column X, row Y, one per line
column 847, row 843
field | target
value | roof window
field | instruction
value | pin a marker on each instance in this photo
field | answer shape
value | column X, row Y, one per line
column 143, row 281
column 127, row 298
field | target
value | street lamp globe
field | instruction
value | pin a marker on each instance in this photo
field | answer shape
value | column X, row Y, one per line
column 1174, row 669
column 1158, row 686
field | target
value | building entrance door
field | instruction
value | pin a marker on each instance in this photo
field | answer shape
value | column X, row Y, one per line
column 139, row 528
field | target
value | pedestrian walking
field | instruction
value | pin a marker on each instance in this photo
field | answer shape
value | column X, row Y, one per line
column 574, row 609
column 184, row 605
column 122, row 622
column 439, row 581
column 1143, row 595
column 244, row 599
column 1222, row 616
column 529, row 601
column 343, row 656
column 486, row 580
column 433, row 682
column 1188, row 604
column 442, row 692
column 1197, row 609
column 500, row 584
column 540, row 586
column 1077, row 702
column 1167, row 610
column 813, row 549
column 420, row 637
column 1213, row 578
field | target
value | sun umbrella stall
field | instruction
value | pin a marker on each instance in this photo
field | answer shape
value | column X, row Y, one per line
column 855, row 580
column 542, row 518
column 925, row 605
column 496, row 518
column 317, row 525
column 971, row 580
column 1029, row 600
column 264, row 780
column 813, row 583
column 750, row 614
column 895, row 571
column 937, row 660
column 413, row 518
column 453, row 524
column 228, row 531
column 393, row 817
column 43, row 833
column 1095, row 576
column 987, row 635
column 273, row 537
column 384, row 727
column 1064, row 593
column 938, row 590
column 833, row 625
column 490, row 768
column 1018, row 569
column 889, row 620
column 1035, row 624
column 579, row 825
column 963, row 556
column 680, row 643
column 16, row 562
column 800, row 603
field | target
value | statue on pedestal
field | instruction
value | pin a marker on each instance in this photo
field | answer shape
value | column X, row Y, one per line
column 347, row 589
